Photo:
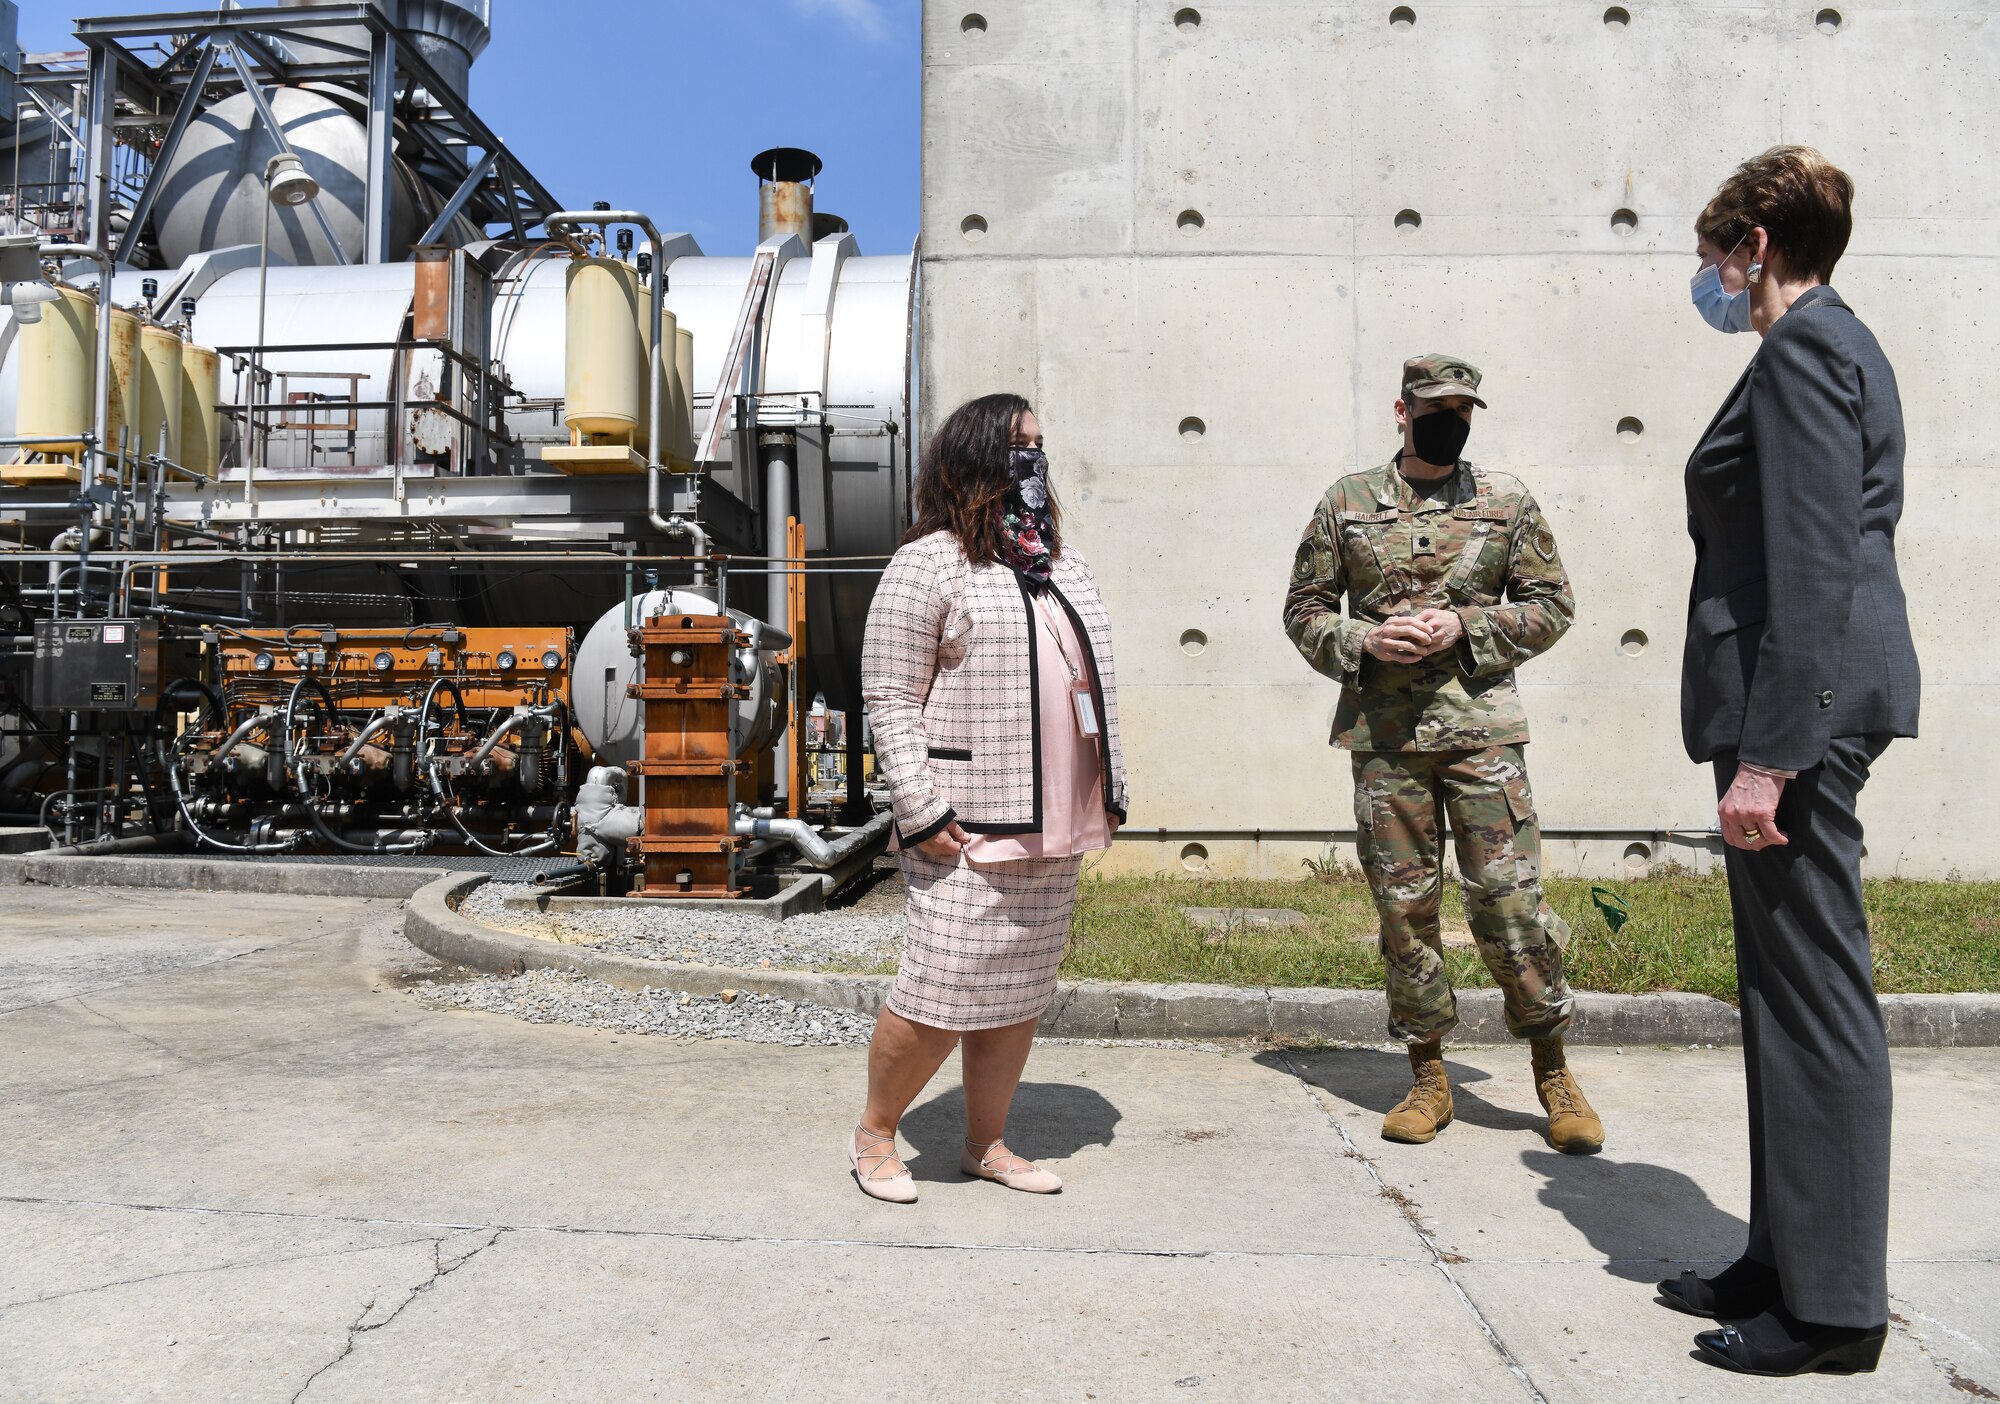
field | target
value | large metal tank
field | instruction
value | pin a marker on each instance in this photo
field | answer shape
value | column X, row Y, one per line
column 605, row 665
column 56, row 364
column 212, row 192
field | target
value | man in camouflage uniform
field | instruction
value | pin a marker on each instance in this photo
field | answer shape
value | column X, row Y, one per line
column 1451, row 579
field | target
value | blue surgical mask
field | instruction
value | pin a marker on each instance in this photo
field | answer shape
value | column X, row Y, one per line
column 1721, row 309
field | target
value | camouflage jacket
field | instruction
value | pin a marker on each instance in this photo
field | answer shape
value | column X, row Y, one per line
column 1389, row 551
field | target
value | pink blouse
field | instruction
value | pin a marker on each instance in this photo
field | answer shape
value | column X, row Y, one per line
column 1073, row 816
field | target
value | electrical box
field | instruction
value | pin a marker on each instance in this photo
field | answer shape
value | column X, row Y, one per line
column 96, row 665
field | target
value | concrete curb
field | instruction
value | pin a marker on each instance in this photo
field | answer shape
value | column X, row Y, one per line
column 211, row 875
column 1102, row 1009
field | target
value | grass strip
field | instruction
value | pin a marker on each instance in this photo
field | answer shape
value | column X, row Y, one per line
column 1929, row 937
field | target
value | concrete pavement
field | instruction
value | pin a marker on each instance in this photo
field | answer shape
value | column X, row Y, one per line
column 238, row 1162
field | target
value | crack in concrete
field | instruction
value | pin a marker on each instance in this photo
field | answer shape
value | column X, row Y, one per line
column 1412, row 1215
column 362, row 1326
column 1955, row 1377
column 78, row 995
column 216, row 1267
column 125, row 1028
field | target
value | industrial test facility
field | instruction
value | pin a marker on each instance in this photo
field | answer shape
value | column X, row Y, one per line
column 359, row 497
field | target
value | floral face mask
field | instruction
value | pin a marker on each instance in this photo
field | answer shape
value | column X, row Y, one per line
column 1023, row 515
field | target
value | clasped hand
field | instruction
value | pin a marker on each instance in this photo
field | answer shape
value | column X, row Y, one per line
column 1409, row 638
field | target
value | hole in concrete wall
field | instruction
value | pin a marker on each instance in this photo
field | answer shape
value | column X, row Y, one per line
column 1638, row 857
column 1629, row 429
column 1194, row 857
column 1624, row 221
column 1632, row 643
column 1617, row 17
column 1190, row 222
column 1192, row 428
column 1827, row 21
column 1408, row 219
column 973, row 24
column 1187, row 21
column 1402, row 17
column 973, row 227
column 1193, row 642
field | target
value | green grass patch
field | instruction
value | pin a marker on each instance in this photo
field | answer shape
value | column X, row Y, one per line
column 1929, row 937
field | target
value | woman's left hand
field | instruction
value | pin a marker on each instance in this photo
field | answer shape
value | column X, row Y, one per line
column 1749, row 812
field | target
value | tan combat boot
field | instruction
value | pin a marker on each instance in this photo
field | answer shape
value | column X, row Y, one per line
column 1427, row 1110
column 1573, row 1127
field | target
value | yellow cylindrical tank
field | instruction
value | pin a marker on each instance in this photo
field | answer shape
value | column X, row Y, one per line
column 58, row 357
column 604, row 380
column 670, row 337
column 158, row 373
column 683, row 447
column 124, row 380
column 201, row 427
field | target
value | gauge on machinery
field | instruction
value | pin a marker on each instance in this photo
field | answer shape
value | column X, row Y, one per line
column 384, row 661
column 551, row 660
column 264, row 662
column 505, row 659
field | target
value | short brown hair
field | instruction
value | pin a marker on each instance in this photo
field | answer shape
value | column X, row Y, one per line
column 966, row 476
column 1800, row 199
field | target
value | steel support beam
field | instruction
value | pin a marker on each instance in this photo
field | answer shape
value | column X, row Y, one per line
column 466, row 187
column 381, row 137
column 190, row 104
column 104, row 71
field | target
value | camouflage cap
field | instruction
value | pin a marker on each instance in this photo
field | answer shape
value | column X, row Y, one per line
column 1434, row 376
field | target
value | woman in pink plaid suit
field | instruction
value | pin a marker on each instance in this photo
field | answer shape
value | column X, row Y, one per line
column 988, row 678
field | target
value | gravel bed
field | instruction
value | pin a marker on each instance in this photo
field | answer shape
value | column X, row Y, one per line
column 864, row 936
column 564, row 997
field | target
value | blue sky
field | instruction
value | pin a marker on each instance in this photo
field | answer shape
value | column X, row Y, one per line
column 660, row 104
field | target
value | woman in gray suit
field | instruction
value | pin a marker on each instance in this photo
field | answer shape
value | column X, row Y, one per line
column 1798, row 671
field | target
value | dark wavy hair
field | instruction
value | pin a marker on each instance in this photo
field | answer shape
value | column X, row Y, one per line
column 965, row 476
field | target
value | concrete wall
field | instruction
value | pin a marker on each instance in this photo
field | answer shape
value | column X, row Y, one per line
column 1139, row 219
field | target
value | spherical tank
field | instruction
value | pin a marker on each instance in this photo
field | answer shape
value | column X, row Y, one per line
column 57, row 360
column 212, row 192
column 606, row 323
column 201, row 430
column 158, row 376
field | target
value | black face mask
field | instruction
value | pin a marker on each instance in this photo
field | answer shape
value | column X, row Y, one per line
column 1439, row 437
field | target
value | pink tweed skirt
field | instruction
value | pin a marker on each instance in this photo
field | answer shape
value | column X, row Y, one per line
column 982, row 945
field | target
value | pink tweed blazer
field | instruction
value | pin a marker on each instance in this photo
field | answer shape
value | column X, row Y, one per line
column 948, row 675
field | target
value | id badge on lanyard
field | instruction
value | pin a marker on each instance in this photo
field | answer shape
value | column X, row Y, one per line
column 1086, row 707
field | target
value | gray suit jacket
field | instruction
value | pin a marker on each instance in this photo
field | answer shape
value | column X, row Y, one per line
column 1797, row 628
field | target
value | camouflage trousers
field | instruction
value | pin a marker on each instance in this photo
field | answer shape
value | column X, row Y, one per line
column 1401, row 802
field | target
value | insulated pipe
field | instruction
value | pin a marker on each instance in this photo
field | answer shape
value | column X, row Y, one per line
column 811, row 844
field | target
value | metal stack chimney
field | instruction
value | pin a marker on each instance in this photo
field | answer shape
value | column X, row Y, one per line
column 784, row 192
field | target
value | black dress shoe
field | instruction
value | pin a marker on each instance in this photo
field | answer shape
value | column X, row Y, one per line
column 1778, row 1343
column 1744, row 1288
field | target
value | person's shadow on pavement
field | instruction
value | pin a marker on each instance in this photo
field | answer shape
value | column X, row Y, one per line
column 1377, row 1080
column 1050, row 1121
column 1645, row 1219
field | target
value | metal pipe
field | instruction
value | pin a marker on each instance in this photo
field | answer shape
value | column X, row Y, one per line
column 368, row 731
column 811, row 844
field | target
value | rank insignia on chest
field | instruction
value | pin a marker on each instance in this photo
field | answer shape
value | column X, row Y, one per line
column 1422, row 541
